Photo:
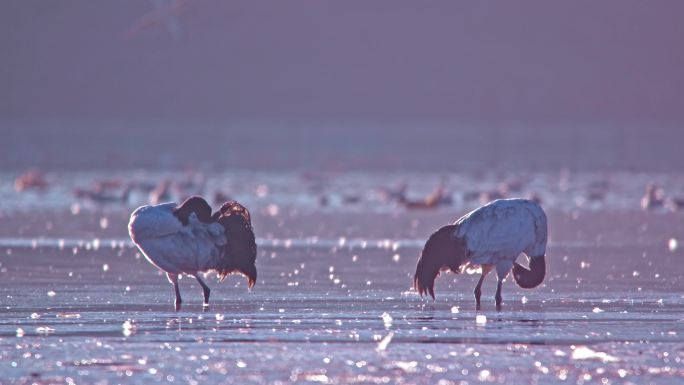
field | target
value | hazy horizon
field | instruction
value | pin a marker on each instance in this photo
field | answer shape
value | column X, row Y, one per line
column 614, row 61
column 387, row 84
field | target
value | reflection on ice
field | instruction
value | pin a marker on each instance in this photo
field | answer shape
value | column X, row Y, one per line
column 585, row 353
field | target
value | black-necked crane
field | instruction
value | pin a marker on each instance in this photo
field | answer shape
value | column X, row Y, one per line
column 492, row 236
column 189, row 239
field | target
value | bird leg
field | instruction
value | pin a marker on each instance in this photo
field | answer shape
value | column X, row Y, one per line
column 478, row 292
column 173, row 278
column 205, row 290
column 478, row 289
column 497, row 297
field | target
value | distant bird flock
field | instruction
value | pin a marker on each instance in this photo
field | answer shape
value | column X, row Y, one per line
column 117, row 191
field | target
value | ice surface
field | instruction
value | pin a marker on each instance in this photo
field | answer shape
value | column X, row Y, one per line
column 333, row 304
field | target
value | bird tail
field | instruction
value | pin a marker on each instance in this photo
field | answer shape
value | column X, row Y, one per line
column 240, row 251
column 528, row 279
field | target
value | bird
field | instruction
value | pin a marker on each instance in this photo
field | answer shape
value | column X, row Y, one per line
column 188, row 239
column 31, row 179
column 438, row 197
column 101, row 194
column 491, row 195
column 166, row 12
column 598, row 190
column 492, row 236
column 220, row 196
column 654, row 197
column 675, row 204
column 397, row 193
column 514, row 185
column 534, row 197
column 161, row 193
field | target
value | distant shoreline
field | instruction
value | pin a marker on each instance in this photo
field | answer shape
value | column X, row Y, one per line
column 408, row 146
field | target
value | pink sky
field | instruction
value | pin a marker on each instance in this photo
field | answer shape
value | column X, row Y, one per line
column 346, row 60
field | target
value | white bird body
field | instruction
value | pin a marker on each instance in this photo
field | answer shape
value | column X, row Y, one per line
column 173, row 247
column 492, row 236
column 497, row 233
column 188, row 239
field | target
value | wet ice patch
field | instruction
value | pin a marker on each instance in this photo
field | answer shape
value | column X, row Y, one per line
column 127, row 328
column 406, row 366
column 68, row 315
column 387, row 320
column 382, row 345
column 44, row 330
column 322, row 378
column 586, row 353
column 672, row 244
column 484, row 376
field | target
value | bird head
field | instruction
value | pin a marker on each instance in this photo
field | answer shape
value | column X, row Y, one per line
column 442, row 251
column 194, row 204
column 528, row 279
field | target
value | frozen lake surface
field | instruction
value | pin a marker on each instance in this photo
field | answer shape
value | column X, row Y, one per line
column 333, row 302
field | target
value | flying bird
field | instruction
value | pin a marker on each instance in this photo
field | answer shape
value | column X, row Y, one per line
column 166, row 13
column 189, row 239
column 492, row 236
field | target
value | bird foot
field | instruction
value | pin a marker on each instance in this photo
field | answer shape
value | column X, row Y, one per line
column 178, row 306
